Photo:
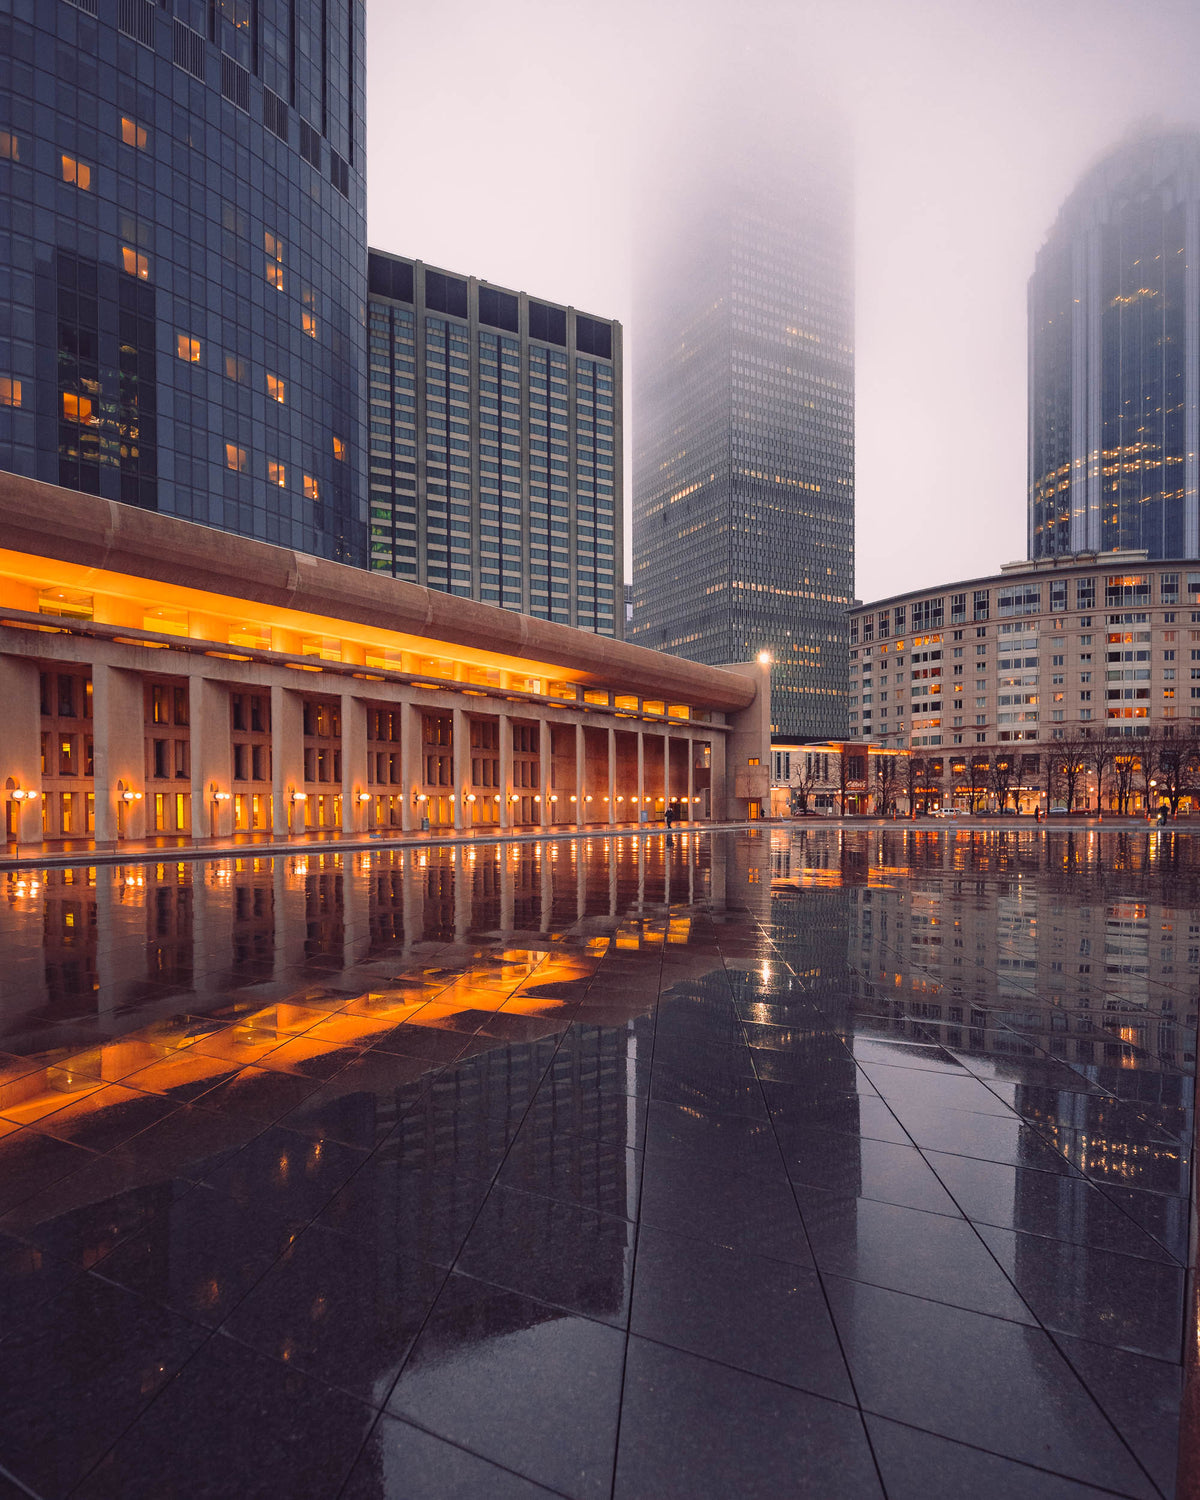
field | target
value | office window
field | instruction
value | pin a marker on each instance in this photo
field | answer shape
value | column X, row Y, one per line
column 132, row 133
column 276, row 473
column 235, row 457
column 235, row 368
column 311, row 491
column 77, row 172
column 10, row 391
column 187, row 348
column 10, row 146
column 134, row 263
column 339, row 449
column 276, row 388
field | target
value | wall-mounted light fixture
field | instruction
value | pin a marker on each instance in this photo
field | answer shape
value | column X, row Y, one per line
column 22, row 794
column 364, row 796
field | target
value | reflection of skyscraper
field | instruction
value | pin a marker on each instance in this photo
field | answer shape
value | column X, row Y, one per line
column 1114, row 358
column 743, row 508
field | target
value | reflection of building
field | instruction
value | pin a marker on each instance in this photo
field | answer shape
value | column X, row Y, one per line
column 183, row 318
column 743, row 508
column 1077, row 650
column 255, row 691
column 1114, row 358
column 495, row 464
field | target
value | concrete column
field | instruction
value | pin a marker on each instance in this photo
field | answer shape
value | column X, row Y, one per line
column 212, row 758
column 21, row 749
column 718, row 799
column 118, row 739
column 666, row 739
column 580, row 774
column 641, row 791
column 506, row 771
column 544, row 764
column 460, row 747
column 354, row 763
column 410, row 765
column 612, row 775
column 691, row 781
column 287, row 759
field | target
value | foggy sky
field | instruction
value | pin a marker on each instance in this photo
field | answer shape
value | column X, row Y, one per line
column 507, row 142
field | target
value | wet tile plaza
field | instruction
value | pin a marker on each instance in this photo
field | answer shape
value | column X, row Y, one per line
column 827, row 1162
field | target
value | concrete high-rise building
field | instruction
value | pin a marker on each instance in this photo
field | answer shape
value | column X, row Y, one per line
column 1114, row 358
column 182, row 190
column 743, row 506
column 495, row 445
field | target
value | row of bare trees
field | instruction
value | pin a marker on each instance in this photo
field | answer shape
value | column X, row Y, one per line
column 1163, row 768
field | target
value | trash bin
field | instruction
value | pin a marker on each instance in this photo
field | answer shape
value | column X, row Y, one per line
column 643, row 814
column 424, row 825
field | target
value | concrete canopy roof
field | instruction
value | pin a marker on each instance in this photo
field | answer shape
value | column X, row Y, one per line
column 93, row 536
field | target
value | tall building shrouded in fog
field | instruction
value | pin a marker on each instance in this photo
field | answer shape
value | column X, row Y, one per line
column 1114, row 358
column 185, row 281
column 743, row 378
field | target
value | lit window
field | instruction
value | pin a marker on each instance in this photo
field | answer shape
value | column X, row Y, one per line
column 274, row 249
column 311, row 491
column 276, row 473
column 235, row 457
column 235, row 368
column 187, row 348
column 78, row 409
column 10, row 146
column 276, row 389
column 77, row 172
column 132, row 133
column 309, row 324
column 275, row 275
column 10, row 391
column 339, row 449
column 134, row 262
column 308, row 315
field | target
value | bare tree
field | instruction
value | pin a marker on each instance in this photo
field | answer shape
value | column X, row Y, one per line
column 1124, row 767
column 843, row 778
column 977, row 779
column 1052, row 775
column 1070, row 756
column 887, row 780
column 913, row 774
column 1149, row 751
column 1001, row 777
column 1178, row 769
column 1099, row 756
column 804, row 780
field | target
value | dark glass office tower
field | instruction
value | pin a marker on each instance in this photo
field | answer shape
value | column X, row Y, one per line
column 1114, row 358
column 743, row 371
column 495, row 458
column 183, row 280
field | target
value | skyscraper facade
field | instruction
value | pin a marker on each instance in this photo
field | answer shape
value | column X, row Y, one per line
column 743, row 503
column 1114, row 358
column 495, row 445
column 183, row 285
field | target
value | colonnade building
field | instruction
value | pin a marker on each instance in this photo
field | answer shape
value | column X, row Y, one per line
column 159, row 678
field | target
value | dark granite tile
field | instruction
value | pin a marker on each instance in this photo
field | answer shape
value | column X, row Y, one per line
column 1141, row 1398
column 287, row 1173
column 575, row 1169
column 553, row 1251
column 200, row 1256
column 29, row 1162
column 424, row 1212
column 979, row 1380
column 726, row 1208
column 1112, row 1299
column 191, row 1141
column 261, row 1094
column 235, row 1422
column 519, row 1382
column 866, row 1169
column 725, row 1141
column 106, row 1118
column 865, row 1117
column 28, row 1277
column 695, row 1430
column 1163, row 1217
column 921, row 1466
column 927, row 1254
column 763, row 1316
column 75, row 1370
column 400, row 1462
column 717, row 1092
column 899, row 1052
column 342, row 1308
column 360, row 1105
column 989, row 1137
column 1062, row 1208
column 941, row 1090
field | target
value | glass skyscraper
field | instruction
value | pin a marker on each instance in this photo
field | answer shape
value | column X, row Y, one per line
column 743, row 504
column 1114, row 358
column 495, row 445
column 183, row 278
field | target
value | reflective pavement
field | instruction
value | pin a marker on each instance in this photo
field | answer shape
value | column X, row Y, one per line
column 820, row 1162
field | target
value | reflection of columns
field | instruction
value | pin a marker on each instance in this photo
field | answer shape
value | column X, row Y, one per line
column 507, row 903
column 582, row 861
column 291, row 912
column 287, row 758
column 120, row 933
column 460, row 746
column 411, row 735
column 118, row 742
column 506, row 735
column 580, row 774
column 212, row 923
column 610, row 847
column 211, row 752
column 357, row 875
column 545, row 759
column 641, row 791
column 547, row 888
column 612, row 775
column 21, row 762
column 464, row 871
column 691, row 779
column 414, row 896
column 354, row 763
